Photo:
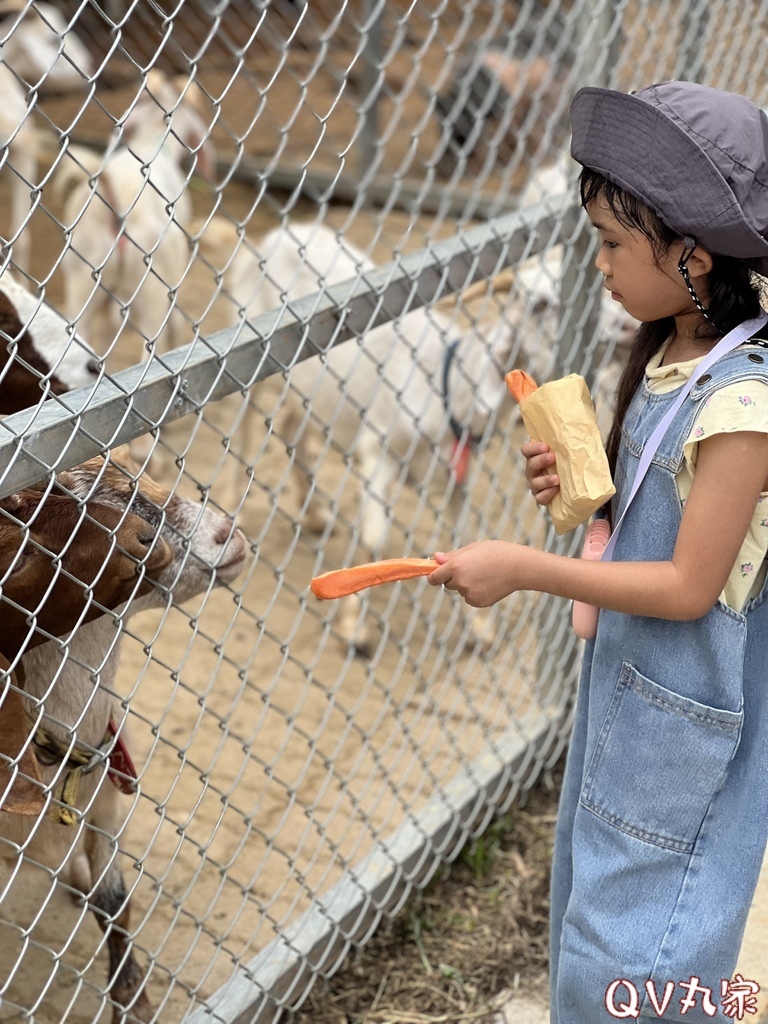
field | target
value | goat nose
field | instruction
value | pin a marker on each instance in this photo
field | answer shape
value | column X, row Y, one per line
column 94, row 365
column 224, row 531
column 160, row 556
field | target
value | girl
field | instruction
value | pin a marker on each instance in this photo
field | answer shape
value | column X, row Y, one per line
column 664, row 812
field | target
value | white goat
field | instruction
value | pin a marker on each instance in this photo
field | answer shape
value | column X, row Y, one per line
column 416, row 392
column 409, row 394
column 37, row 49
column 75, row 714
column 127, row 247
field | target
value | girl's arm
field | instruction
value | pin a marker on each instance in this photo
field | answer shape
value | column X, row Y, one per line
column 731, row 471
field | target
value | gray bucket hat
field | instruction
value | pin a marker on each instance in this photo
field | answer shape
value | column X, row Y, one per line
column 697, row 156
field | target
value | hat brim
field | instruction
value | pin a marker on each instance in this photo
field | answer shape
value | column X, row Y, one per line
column 637, row 147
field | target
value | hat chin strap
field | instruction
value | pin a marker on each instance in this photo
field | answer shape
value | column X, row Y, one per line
column 682, row 266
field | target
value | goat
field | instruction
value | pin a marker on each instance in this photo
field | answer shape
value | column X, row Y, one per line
column 75, row 712
column 37, row 48
column 502, row 105
column 40, row 46
column 407, row 395
column 62, row 563
column 42, row 352
column 127, row 248
column 494, row 103
column 415, row 393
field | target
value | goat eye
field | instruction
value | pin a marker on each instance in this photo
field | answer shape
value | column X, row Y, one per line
column 20, row 563
column 540, row 306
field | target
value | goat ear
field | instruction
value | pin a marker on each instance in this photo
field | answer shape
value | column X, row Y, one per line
column 11, row 502
column 18, row 795
column 121, row 456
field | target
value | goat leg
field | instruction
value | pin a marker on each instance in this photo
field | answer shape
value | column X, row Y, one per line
column 111, row 904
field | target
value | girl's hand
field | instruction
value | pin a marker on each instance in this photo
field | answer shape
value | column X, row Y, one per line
column 482, row 573
column 539, row 470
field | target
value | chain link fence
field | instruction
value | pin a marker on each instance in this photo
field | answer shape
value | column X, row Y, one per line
column 265, row 265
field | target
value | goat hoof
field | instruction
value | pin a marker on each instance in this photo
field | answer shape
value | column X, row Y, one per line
column 315, row 522
column 480, row 637
column 363, row 649
column 141, row 1011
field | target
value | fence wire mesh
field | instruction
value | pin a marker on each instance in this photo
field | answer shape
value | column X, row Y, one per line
column 265, row 264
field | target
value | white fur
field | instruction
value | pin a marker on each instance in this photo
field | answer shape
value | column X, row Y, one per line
column 41, row 47
column 129, row 228
column 382, row 397
column 37, row 48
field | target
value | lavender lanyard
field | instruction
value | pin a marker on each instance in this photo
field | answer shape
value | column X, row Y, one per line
column 731, row 341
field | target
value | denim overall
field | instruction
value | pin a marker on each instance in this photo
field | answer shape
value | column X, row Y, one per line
column 663, row 816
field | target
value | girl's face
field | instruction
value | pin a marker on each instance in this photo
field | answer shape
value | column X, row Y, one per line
column 648, row 287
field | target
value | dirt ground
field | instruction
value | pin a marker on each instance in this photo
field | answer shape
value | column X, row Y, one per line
column 470, row 944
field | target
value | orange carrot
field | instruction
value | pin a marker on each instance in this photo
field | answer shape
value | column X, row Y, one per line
column 521, row 384
column 342, row 582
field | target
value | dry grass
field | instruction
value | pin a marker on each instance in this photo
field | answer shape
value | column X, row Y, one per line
column 459, row 949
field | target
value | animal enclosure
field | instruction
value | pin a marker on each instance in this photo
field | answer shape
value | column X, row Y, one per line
column 265, row 265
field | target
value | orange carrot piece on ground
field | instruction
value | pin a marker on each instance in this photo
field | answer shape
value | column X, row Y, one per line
column 342, row 582
column 521, row 384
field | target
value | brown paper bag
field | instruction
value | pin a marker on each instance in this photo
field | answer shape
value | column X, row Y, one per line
column 561, row 414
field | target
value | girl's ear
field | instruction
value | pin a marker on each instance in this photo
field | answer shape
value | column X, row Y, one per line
column 700, row 262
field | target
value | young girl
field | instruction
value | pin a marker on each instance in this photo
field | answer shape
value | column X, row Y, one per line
column 664, row 811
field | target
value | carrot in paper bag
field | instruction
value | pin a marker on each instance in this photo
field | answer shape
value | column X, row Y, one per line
column 520, row 384
column 561, row 414
column 342, row 582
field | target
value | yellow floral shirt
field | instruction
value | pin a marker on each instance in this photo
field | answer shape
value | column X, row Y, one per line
column 742, row 406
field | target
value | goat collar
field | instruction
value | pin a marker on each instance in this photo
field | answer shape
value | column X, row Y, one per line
column 459, row 432
column 78, row 761
column 463, row 441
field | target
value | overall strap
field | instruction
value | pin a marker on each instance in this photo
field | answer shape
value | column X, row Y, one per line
column 731, row 341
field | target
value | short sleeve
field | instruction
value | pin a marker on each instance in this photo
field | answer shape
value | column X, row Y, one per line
column 735, row 407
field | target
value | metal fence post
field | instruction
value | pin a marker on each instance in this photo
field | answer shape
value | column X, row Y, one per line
column 370, row 88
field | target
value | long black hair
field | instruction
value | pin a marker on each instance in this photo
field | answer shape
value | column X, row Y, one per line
column 732, row 295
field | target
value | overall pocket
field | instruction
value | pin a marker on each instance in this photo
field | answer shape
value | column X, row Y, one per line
column 659, row 760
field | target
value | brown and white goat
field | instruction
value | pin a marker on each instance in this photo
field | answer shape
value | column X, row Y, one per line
column 38, row 354
column 62, row 563
column 70, row 692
